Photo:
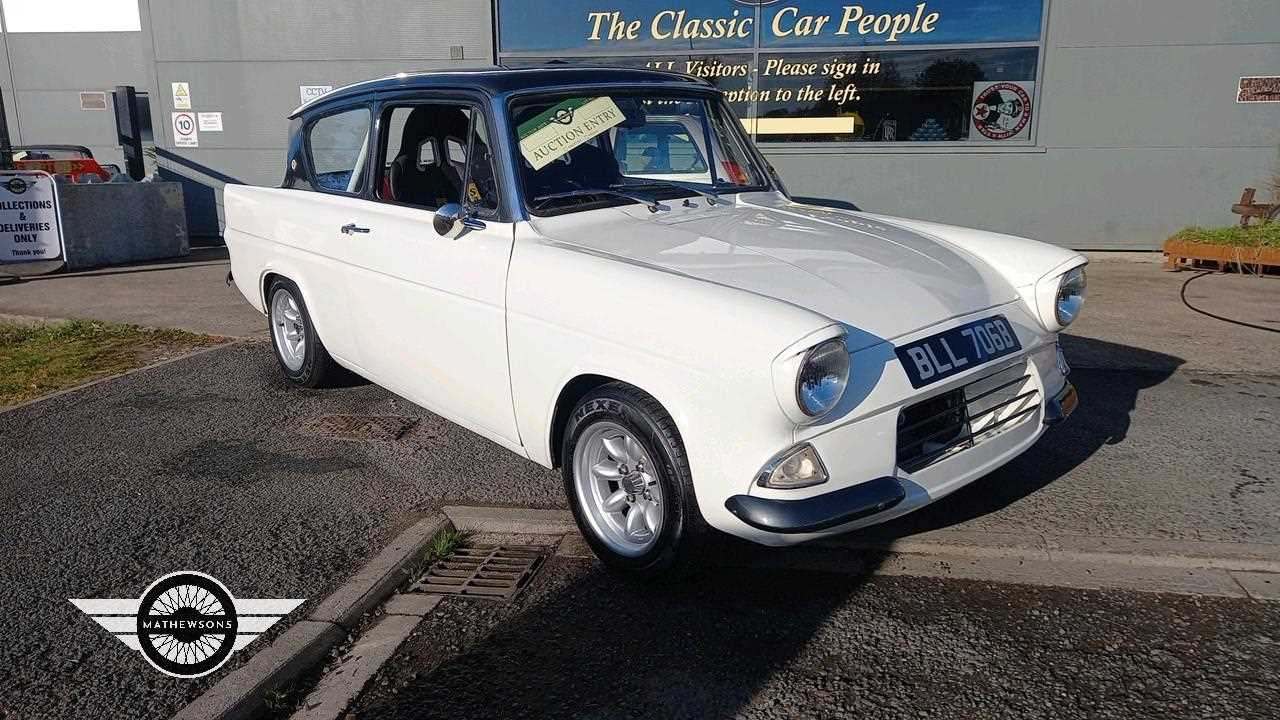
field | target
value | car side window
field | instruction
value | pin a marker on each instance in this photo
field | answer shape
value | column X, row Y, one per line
column 418, row 166
column 338, row 145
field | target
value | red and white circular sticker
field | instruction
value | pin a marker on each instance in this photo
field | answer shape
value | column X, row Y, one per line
column 1002, row 111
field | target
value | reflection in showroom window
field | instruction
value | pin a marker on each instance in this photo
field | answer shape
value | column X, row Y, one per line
column 909, row 96
column 730, row 73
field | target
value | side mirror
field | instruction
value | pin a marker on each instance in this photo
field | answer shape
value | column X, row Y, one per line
column 452, row 220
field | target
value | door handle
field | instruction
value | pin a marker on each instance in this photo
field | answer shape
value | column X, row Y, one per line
column 352, row 229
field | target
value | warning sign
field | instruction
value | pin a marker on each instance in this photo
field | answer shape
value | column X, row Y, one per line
column 29, row 226
column 181, row 96
column 185, row 133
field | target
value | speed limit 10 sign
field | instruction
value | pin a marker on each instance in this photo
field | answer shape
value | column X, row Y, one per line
column 185, row 132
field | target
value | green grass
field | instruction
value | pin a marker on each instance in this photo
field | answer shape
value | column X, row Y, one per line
column 1257, row 235
column 443, row 543
column 40, row 359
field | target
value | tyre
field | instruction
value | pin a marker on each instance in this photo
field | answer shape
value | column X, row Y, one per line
column 301, row 355
column 628, row 483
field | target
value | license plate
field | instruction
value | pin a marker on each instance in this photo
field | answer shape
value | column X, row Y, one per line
column 962, row 348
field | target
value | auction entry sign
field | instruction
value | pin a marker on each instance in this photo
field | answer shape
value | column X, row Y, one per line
column 30, row 222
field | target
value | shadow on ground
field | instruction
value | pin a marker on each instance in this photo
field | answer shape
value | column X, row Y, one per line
column 1107, row 399
column 596, row 646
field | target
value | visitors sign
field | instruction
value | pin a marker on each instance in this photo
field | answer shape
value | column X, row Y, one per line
column 30, row 227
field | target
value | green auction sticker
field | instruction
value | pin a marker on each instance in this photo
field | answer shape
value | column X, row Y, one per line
column 560, row 129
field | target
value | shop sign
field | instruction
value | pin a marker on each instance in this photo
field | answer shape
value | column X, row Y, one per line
column 30, row 226
column 591, row 25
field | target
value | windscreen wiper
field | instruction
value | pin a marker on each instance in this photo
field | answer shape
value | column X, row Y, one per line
column 653, row 205
column 711, row 196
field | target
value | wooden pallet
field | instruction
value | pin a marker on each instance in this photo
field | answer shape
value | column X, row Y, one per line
column 1181, row 254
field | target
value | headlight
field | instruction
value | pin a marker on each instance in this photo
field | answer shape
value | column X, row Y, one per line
column 1070, row 296
column 823, row 376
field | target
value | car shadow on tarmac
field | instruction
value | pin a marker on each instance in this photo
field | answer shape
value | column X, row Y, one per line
column 595, row 646
column 1109, row 378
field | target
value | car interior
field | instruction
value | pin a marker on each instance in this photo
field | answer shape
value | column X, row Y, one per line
column 428, row 167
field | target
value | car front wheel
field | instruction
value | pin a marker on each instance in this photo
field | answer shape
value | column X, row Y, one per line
column 628, row 482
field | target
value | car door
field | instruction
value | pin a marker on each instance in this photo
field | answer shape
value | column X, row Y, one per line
column 313, row 251
column 430, row 311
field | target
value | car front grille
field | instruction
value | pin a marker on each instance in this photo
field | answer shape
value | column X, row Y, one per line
column 962, row 418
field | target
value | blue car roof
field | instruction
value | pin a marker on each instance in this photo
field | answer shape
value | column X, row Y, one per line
column 499, row 81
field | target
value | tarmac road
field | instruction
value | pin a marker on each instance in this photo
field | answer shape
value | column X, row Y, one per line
column 204, row 464
column 788, row 644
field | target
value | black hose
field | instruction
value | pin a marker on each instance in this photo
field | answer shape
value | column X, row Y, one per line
column 1217, row 317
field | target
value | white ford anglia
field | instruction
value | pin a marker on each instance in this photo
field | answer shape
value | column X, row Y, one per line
column 596, row 269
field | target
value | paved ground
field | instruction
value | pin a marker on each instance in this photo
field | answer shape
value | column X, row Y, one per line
column 788, row 644
column 1134, row 303
column 202, row 464
column 190, row 294
column 199, row 465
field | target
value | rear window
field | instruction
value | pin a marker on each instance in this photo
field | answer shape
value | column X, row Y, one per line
column 338, row 145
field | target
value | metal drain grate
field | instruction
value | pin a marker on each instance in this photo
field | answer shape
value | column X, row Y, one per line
column 497, row 572
column 377, row 428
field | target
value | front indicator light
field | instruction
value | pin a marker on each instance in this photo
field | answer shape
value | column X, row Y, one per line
column 799, row 467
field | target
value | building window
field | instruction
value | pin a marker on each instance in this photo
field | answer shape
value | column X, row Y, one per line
column 816, row 71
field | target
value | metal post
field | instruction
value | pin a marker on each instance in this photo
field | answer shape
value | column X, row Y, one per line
column 129, row 131
column 6, row 147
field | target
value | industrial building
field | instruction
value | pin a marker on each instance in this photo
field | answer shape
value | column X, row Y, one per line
column 1088, row 123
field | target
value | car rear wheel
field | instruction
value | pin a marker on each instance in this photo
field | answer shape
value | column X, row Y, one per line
column 302, row 357
column 628, row 482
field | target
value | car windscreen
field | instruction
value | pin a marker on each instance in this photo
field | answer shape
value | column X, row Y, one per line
column 585, row 151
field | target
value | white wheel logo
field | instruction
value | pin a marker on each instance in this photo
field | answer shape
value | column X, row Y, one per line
column 186, row 624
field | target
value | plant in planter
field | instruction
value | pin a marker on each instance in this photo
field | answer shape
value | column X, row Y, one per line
column 1240, row 245
column 1258, row 245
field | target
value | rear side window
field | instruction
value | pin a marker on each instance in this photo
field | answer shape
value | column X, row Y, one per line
column 338, row 145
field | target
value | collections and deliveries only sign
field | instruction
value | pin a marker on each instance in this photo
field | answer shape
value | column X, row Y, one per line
column 30, row 228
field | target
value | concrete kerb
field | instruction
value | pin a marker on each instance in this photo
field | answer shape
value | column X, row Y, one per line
column 1146, row 565
column 511, row 521
column 239, row 695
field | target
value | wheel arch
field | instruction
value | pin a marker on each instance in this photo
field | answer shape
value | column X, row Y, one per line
column 571, row 393
column 271, row 274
